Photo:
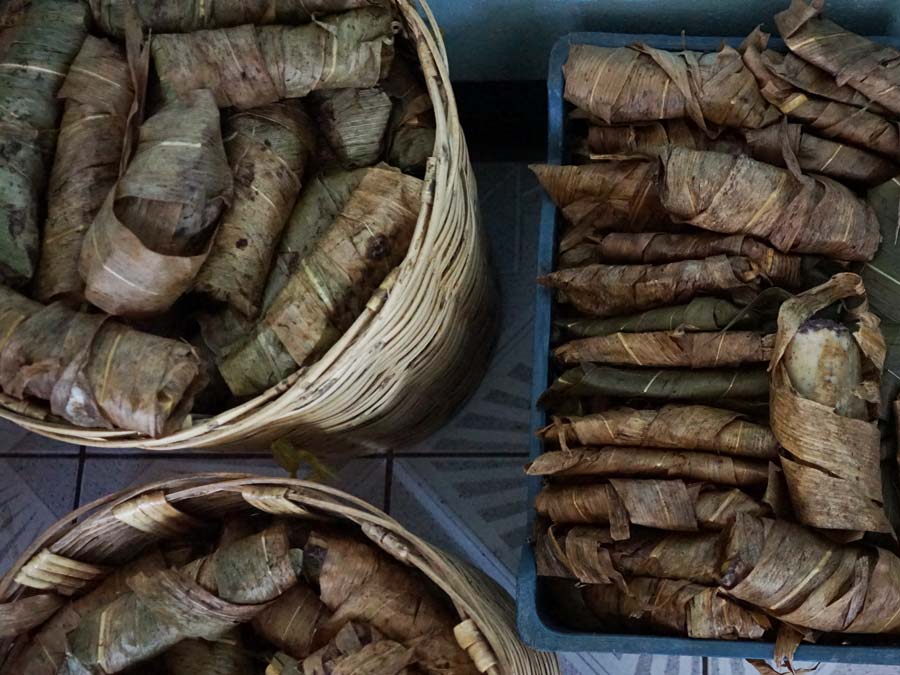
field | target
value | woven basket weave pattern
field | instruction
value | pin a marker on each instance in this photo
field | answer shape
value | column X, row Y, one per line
column 411, row 357
column 68, row 559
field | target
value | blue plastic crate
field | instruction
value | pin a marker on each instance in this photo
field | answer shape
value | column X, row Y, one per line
column 537, row 627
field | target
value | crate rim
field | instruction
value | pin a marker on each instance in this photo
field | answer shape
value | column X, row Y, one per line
column 533, row 631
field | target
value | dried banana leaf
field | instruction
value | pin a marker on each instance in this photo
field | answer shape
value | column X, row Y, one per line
column 223, row 656
column 833, row 119
column 35, row 62
column 608, row 290
column 186, row 16
column 669, row 349
column 354, row 123
column 355, row 650
column 650, row 463
column 207, row 599
column 95, row 372
column 620, row 502
column 688, row 427
column 814, row 80
column 700, row 314
column 692, row 385
column 717, row 509
column 796, row 213
column 880, row 275
column 98, row 93
column 153, row 232
column 268, row 148
column 642, row 84
column 331, row 284
column 358, row 582
column 250, row 66
column 46, row 650
column 872, row 69
column 652, row 137
column 412, row 127
column 824, row 408
column 660, row 247
column 679, row 607
column 620, row 194
column 292, row 621
column 812, row 582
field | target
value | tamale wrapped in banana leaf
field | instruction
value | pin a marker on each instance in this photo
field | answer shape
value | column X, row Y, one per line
column 652, row 137
column 659, row 247
column 700, row 314
column 620, row 195
column 678, row 607
column 881, row 280
column 621, row 502
column 830, row 117
column 186, row 16
column 692, row 385
column 809, row 581
column 292, row 621
column 360, row 583
column 225, row 655
column 824, row 407
column 650, row 463
column 688, row 427
column 796, row 213
column 95, row 372
column 870, row 68
column 330, row 283
column 206, row 599
column 354, row 122
column 669, row 349
column 608, row 290
column 412, row 125
column 250, row 66
column 268, row 148
column 36, row 61
column 99, row 93
column 812, row 79
column 643, row 84
column 717, row 509
column 153, row 232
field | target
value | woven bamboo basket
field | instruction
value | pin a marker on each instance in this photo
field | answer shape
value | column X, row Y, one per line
column 410, row 359
column 78, row 551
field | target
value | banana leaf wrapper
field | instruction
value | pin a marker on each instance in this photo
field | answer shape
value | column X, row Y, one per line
column 642, row 84
column 813, row 80
column 880, row 274
column 717, row 509
column 360, row 583
column 268, row 149
column 809, row 581
column 99, row 92
column 95, row 372
column 814, row 154
column 688, row 427
column 223, row 656
column 661, row 247
column 691, row 385
column 679, row 607
column 621, row 194
column 35, row 63
column 621, row 502
column 665, row 349
column 700, row 314
column 858, row 126
column 250, row 66
column 207, row 599
column 331, row 284
column 292, row 621
column 651, row 463
column 412, row 126
column 154, row 230
column 796, row 213
column 870, row 68
column 321, row 200
column 594, row 557
column 831, row 457
column 608, row 290
column 355, row 124
column 46, row 650
column 187, row 16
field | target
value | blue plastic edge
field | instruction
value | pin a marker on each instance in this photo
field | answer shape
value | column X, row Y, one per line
column 533, row 630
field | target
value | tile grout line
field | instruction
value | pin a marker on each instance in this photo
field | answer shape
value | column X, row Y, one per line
column 79, row 476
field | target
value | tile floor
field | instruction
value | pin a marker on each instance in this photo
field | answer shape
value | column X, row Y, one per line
column 461, row 488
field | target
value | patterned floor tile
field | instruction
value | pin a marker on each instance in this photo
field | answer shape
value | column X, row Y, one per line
column 16, row 441
column 35, row 492
column 741, row 667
